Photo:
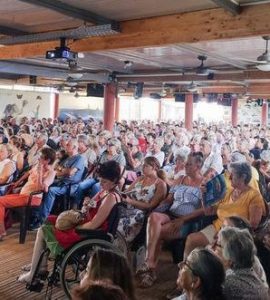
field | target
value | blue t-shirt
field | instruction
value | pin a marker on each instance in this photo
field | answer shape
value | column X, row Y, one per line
column 76, row 161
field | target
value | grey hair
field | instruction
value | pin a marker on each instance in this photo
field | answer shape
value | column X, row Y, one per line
column 238, row 247
column 74, row 142
column 44, row 137
column 84, row 139
column 114, row 141
column 181, row 154
column 242, row 170
column 159, row 141
column 105, row 134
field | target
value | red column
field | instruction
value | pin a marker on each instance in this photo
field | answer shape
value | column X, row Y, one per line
column 109, row 105
column 264, row 113
column 117, row 109
column 234, row 116
column 56, row 106
column 159, row 110
column 189, row 111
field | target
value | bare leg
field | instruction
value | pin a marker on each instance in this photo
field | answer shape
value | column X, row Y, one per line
column 39, row 247
column 194, row 240
column 154, row 227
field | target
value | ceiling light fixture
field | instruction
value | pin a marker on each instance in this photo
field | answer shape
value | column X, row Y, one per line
column 75, row 76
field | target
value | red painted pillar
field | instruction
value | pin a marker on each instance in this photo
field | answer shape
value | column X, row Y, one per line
column 159, row 110
column 264, row 113
column 234, row 116
column 109, row 105
column 56, row 106
column 189, row 111
column 117, row 109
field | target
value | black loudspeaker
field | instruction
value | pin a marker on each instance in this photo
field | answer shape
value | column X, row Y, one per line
column 138, row 91
column 95, row 90
column 226, row 100
column 179, row 97
column 182, row 98
column 32, row 79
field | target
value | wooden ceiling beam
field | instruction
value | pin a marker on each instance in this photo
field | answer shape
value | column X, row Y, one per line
column 263, row 90
column 189, row 27
column 11, row 31
column 251, row 75
column 39, row 81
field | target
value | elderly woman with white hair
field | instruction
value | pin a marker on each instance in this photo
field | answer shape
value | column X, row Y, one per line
column 178, row 169
column 236, row 249
column 240, row 199
column 155, row 150
column 212, row 161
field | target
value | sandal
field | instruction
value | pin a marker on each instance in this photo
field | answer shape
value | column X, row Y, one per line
column 148, row 279
column 142, row 269
column 26, row 268
column 24, row 278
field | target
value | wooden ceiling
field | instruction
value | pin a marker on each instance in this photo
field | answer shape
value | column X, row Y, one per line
column 160, row 39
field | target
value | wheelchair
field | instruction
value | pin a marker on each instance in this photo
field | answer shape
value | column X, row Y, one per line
column 69, row 265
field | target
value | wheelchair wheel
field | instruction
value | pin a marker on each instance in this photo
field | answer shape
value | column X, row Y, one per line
column 120, row 243
column 75, row 262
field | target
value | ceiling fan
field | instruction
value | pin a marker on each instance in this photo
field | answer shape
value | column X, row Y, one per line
column 202, row 70
column 166, row 90
column 192, row 87
column 263, row 61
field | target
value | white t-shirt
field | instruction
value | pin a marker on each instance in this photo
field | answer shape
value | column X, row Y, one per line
column 213, row 161
column 160, row 156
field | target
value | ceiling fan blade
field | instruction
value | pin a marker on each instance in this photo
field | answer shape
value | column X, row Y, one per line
column 247, row 60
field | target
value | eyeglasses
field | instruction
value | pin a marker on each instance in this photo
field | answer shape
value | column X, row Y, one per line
column 110, row 145
column 184, row 263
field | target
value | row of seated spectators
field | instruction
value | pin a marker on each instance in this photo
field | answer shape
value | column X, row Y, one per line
column 166, row 169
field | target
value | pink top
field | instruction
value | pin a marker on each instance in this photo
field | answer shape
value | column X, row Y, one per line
column 32, row 184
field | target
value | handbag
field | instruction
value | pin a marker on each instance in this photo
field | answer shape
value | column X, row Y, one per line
column 69, row 219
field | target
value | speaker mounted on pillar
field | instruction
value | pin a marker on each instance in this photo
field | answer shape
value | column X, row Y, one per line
column 138, row 90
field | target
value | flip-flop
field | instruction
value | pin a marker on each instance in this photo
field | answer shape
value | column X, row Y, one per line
column 148, row 279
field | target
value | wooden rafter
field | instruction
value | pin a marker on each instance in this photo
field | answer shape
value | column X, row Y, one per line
column 254, row 75
column 6, row 30
column 190, row 27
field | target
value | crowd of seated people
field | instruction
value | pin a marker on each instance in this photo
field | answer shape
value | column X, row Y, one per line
column 162, row 171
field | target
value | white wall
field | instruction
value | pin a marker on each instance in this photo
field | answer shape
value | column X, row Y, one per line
column 130, row 108
column 33, row 107
column 81, row 106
